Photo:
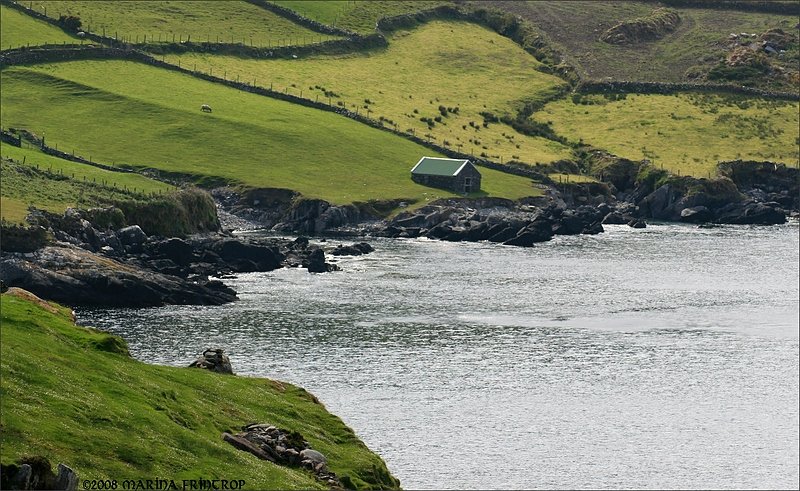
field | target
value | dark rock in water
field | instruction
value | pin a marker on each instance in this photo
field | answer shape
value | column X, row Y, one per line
column 637, row 223
column 299, row 243
column 569, row 224
column 524, row 239
column 440, row 231
column 391, row 231
column 502, row 232
column 750, row 213
column 595, row 228
column 537, row 231
column 131, row 235
column 245, row 257
column 315, row 263
column 696, row 214
column 364, row 247
column 615, row 218
column 478, row 231
column 410, row 233
column 352, row 250
column 214, row 360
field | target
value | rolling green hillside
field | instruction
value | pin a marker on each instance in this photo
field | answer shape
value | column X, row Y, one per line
column 356, row 15
column 685, row 133
column 436, row 66
column 62, row 184
column 70, row 396
column 231, row 21
column 129, row 113
column 699, row 43
column 18, row 29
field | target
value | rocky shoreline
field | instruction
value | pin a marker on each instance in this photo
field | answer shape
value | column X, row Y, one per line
column 76, row 260
column 87, row 265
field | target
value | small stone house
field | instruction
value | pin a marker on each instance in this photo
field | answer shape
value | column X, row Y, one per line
column 459, row 176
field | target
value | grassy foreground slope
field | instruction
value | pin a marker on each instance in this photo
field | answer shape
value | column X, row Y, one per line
column 130, row 113
column 455, row 65
column 68, row 395
column 700, row 41
column 18, row 29
column 356, row 15
column 685, row 133
column 229, row 21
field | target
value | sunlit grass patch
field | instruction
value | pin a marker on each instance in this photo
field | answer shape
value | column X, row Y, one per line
column 447, row 82
column 685, row 133
column 18, row 29
column 233, row 21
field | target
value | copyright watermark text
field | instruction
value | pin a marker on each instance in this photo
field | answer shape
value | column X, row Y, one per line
column 163, row 484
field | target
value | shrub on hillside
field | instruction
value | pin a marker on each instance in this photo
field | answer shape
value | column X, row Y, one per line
column 70, row 22
column 178, row 214
column 659, row 23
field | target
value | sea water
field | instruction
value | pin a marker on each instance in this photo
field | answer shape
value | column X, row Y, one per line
column 664, row 357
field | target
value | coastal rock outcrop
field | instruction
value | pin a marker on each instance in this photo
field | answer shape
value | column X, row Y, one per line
column 72, row 275
column 505, row 222
column 282, row 447
column 36, row 473
column 214, row 360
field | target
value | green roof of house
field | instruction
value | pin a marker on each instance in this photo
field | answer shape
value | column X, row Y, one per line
column 438, row 167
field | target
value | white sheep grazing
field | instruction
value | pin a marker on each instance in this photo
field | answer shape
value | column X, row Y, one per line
column 81, row 34
column 205, row 108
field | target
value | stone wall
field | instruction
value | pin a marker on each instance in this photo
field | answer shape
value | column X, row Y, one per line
column 10, row 138
column 768, row 7
column 590, row 87
column 302, row 20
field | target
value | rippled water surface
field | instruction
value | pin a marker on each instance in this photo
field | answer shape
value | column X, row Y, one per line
column 664, row 358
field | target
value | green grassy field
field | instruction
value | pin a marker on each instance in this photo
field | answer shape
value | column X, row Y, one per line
column 356, row 15
column 233, row 21
column 698, row 44
column 122, row 112
column 687, row 133
column 570, row 178
column 81, row 172
column 68, row 396
column 18, row 29
column 85, row 186
column 12, row 210
column 440, row 64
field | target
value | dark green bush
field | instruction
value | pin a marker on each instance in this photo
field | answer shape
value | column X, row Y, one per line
column 70, row 22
